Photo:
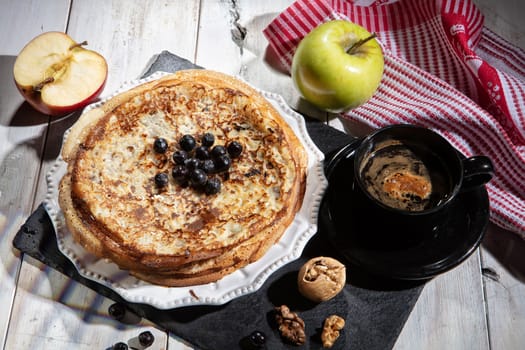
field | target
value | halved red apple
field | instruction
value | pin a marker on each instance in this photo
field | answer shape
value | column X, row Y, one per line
column 57, row 75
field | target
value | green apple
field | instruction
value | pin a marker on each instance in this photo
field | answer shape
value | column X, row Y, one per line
column 338, row 66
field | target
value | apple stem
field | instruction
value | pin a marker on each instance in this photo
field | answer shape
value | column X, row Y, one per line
column 360, row 42
column 78, row 45
column 39, row 86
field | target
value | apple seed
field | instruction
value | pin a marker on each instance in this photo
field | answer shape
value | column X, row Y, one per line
column 39, row 86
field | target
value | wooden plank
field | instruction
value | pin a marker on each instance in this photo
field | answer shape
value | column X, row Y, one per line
column 128, row 34
column 502, row 253
column 53, row 312
column 505, row 19
column 21, row 21
column 22, row 135
column 449, row 313
column 504, row 279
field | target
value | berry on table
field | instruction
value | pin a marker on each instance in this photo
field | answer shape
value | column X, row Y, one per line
column 146, row 338
column 258, row 338
column 254, row 341
column 117, row 311
column 120, row 346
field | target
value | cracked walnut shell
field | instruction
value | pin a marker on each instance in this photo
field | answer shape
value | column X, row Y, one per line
column 321, row 278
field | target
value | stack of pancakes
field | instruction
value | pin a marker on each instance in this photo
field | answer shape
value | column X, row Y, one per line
column 176, row 235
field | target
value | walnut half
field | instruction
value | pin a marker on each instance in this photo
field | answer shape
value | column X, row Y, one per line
column 332, row 325
column 291, row 326
column 321, row 278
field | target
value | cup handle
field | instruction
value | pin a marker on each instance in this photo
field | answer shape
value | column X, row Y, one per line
column 477, row 171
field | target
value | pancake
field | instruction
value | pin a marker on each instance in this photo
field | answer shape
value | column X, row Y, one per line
column 175, row 233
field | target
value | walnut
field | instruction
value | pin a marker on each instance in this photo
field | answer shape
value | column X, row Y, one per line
column 332, row 325
column 291, row 326
column 321, row 278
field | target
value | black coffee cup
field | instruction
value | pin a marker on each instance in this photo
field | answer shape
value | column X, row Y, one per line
column 406, row 176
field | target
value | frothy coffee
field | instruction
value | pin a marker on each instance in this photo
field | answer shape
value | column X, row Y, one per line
column 404, row 177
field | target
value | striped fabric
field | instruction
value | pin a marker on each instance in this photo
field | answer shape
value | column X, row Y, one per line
column 443, row 70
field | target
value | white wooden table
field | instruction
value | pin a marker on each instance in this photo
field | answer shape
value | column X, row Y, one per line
column 478, row 305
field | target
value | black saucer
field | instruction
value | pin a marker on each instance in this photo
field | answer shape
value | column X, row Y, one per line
column 370, row 244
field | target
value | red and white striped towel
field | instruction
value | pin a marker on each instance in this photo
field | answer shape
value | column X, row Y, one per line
column 443, row 70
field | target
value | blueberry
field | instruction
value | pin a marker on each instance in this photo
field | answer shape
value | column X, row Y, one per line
column 180, row 156
column 202, row 152
column 198, row 177
column 212, row 186
column 222, row 163
column 187, row 142
column 208, row 139
column 184, row 183
column 192, row 163
column 218, row 151
column 160, row 145
column 146, row 338
column 179, row 172
column 161, row 180
column 234, row 149
column 117, row 311
column 120, row 346
column 208, row 166
column 257, row 338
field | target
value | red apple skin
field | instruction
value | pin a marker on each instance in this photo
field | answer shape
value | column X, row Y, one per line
column 33, row 98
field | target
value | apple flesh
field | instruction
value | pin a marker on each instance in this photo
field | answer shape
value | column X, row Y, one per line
column 338, row 66
column 57, row 75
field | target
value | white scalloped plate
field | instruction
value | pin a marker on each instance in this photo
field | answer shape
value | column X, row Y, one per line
column 242, row 281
